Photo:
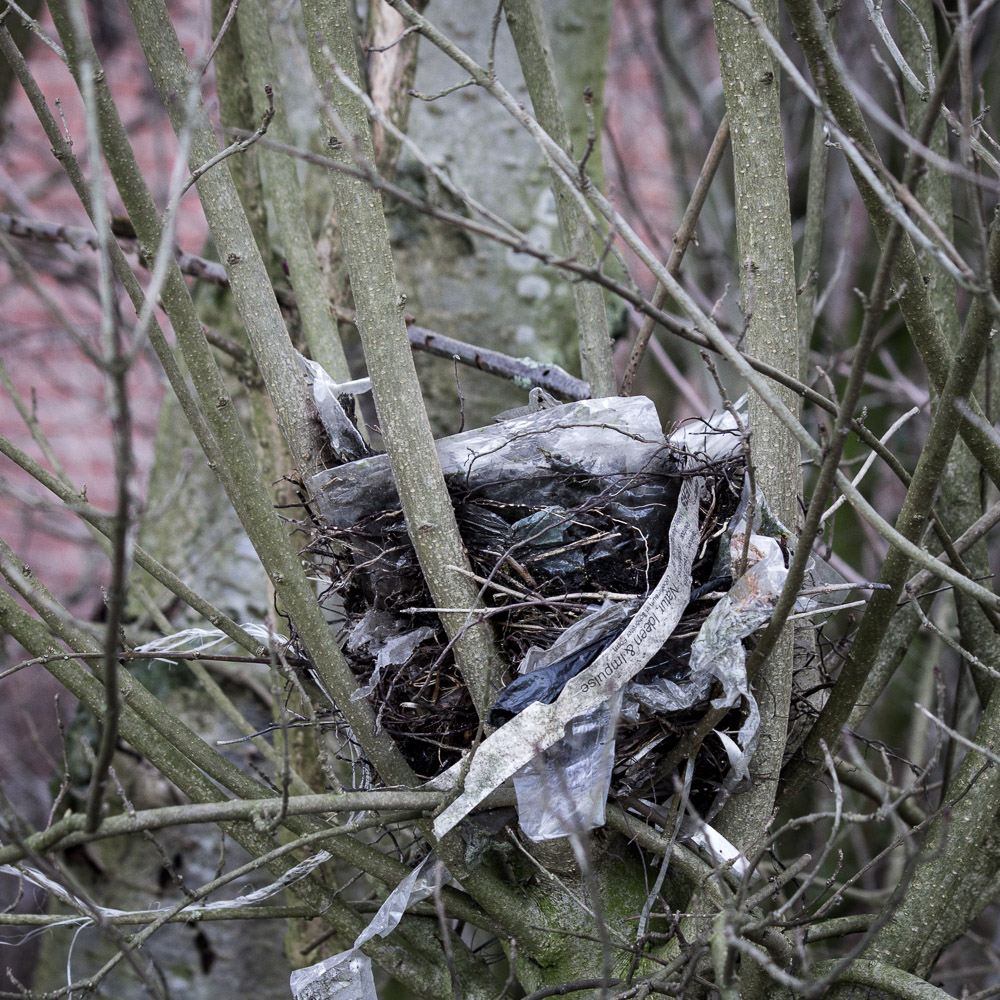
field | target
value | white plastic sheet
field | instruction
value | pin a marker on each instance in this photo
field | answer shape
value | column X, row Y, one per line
column 378, row 633
column 712, row 440
column 564, row 790
column 344, row 437
column 349, row 976
column 201, row 640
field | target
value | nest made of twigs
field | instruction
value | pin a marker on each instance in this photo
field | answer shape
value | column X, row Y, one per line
column 546, row 552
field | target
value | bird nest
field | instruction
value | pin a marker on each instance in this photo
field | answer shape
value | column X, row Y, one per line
column 563, row 511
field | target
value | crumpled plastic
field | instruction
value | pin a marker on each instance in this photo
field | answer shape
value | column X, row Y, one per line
column 345, row 439
column 717, row 652
column 572, row 492
column 544, row 673
column 709, row 441
column 564, row 790
column 96, row 914
column 349, row 976
column 201, row 640
column 600, row 438
column 378, row 632
column 542, row 725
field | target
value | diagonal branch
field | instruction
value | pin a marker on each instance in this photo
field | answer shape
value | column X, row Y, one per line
column 403, row 420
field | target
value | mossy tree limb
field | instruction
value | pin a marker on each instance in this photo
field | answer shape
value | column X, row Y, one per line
column 527, row 26
column 281, row 186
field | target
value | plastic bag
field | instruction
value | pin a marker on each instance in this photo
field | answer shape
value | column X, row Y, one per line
column 345, row 439
column 563, row 791
column 544, row 673
column 349, row 976
column 601, row 438
column 709, row 441
column 379, row 633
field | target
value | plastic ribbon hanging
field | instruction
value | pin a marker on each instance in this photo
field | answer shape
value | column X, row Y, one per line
column 349, row 975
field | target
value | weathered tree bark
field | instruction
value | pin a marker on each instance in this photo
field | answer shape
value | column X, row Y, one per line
column 403, row 421
column 527, row 26
column 767, row 273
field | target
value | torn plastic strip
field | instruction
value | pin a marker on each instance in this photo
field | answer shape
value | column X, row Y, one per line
column 349, row 975
column 379, row 633
column 717, row 653
column 290, row 877
column 544, row 673
column 718, row 848
column 564, row 790
column 201, row 640
column 345, row 439
column 539, row 726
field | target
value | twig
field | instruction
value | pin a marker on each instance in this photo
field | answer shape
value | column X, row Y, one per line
column 924, row 152
column 524, row 372
column 236, row 147
column 826, row 609
column 35, row 28
column 674, row 374
column 875, row 16
column 969, row 658
column 681, row 240
column 861, row 159
column 534, row 53
column 115, row 364
column 429, row 98
column 684, row 235
column 27, row 277
column 385, row 48
column 979, row 529
column 832, row 509
column 227, row 21
column 73, row 500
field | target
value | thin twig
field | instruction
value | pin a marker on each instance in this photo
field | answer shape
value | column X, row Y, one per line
column 115, row 364
column 835, row 506
column 684, row 236
column 227, row 21
column 236, row 147
column 35, row 28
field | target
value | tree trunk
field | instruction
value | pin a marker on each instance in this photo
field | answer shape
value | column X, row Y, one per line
column 767, row 274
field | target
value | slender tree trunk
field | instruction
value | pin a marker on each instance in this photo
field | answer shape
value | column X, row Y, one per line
column 767, row 273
